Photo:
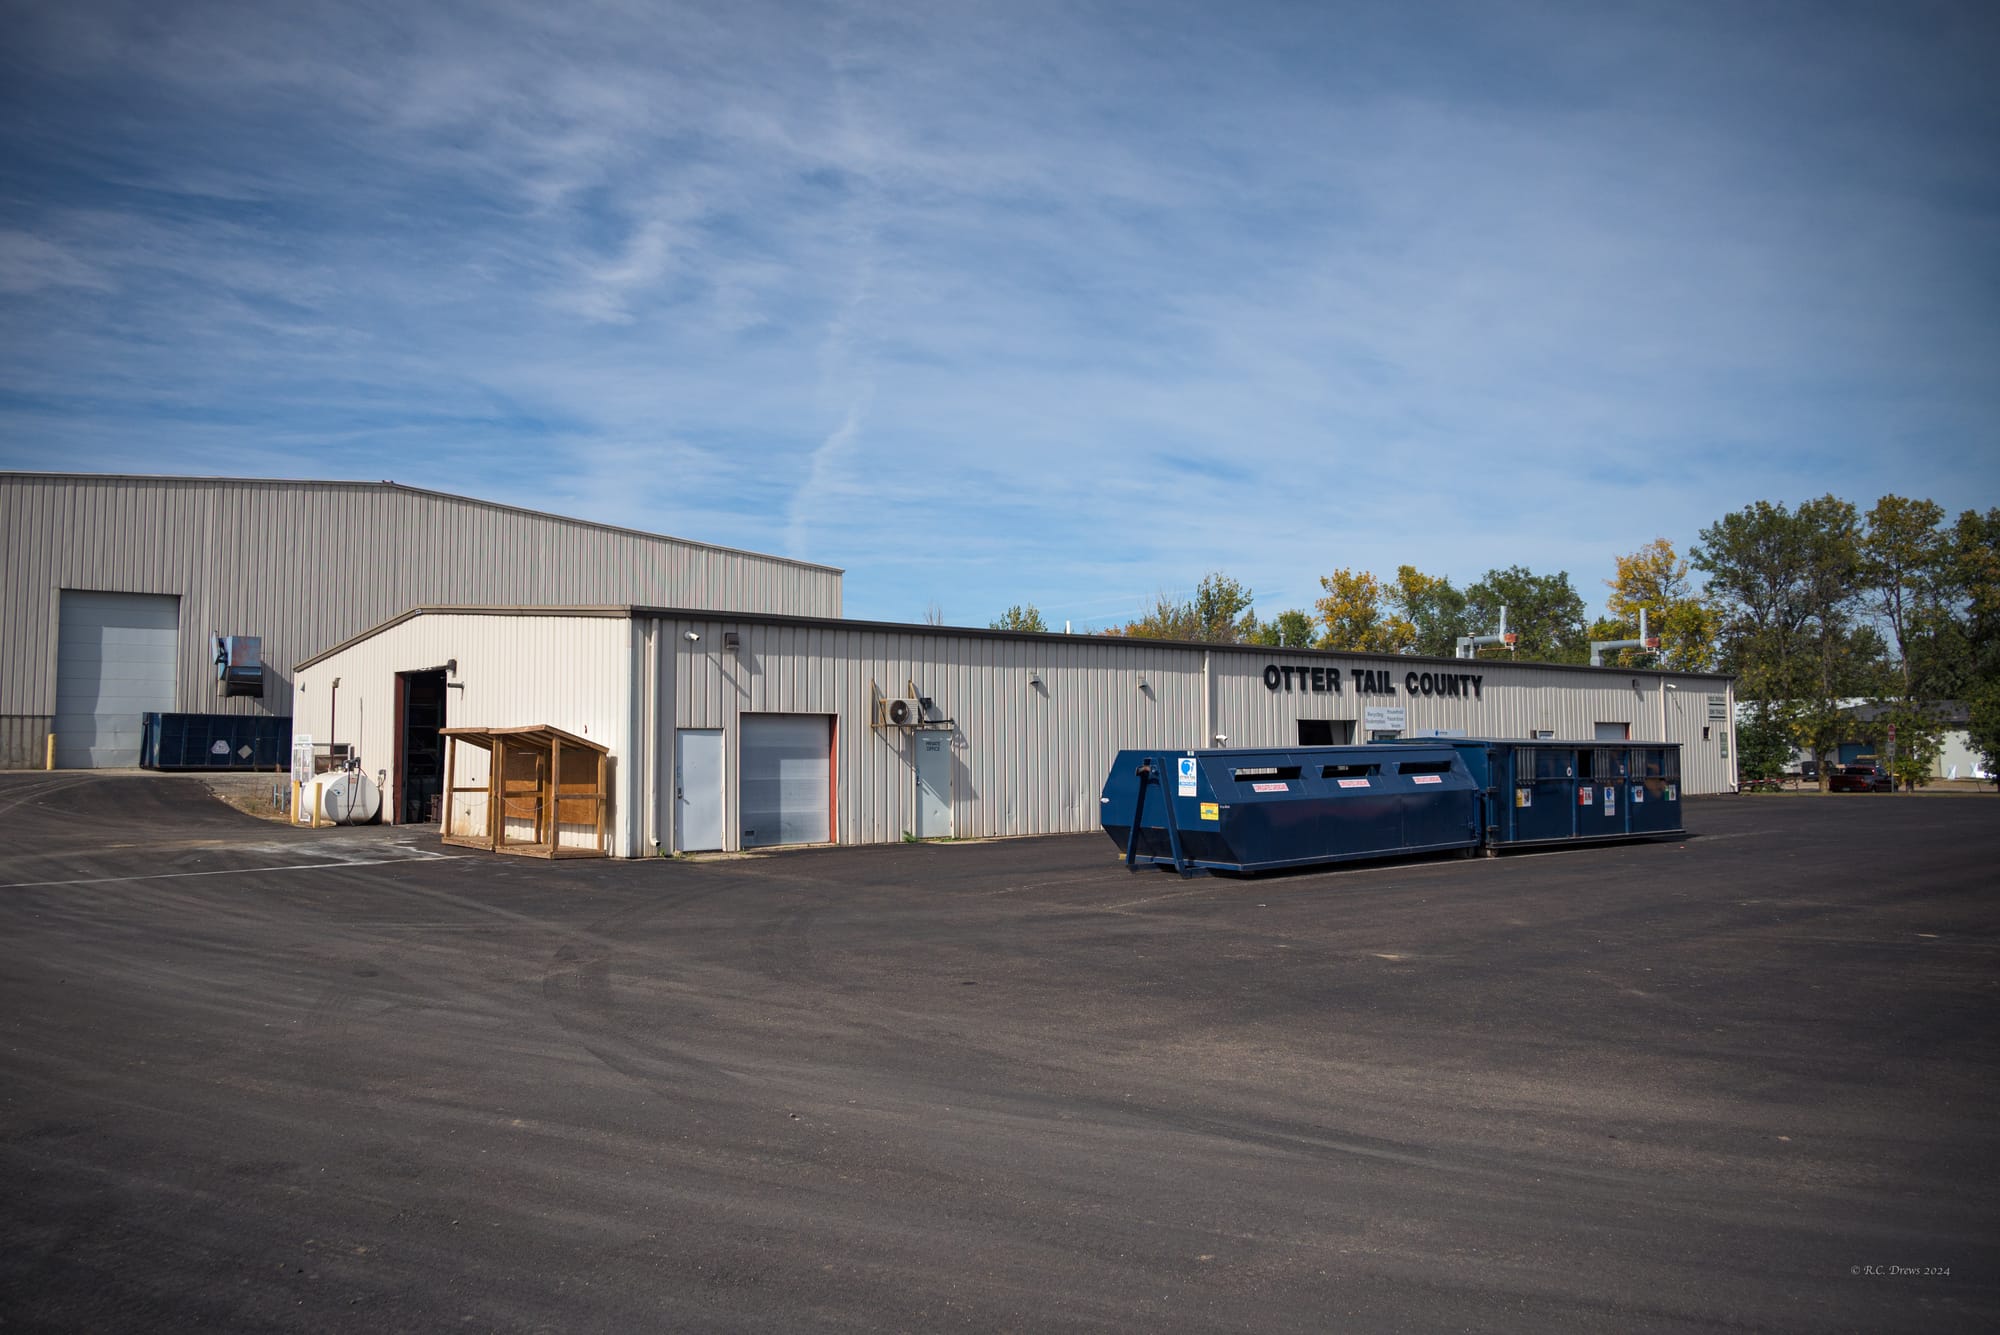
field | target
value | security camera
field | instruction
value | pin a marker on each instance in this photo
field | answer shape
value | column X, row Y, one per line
column 692, row 636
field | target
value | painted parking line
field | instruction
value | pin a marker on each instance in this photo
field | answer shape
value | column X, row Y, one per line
column 234, row 871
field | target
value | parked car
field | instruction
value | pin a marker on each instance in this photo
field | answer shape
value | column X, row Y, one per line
column 1859, row 779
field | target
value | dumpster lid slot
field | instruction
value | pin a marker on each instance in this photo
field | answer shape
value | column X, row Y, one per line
column 1264, row 772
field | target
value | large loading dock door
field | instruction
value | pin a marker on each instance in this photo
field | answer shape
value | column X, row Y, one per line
column 115, row 658
column 787, row 793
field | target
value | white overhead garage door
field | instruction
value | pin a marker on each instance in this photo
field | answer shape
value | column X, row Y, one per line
column 787, row 779
column 114, row 661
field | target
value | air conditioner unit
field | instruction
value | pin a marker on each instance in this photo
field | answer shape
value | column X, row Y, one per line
column 900, row 713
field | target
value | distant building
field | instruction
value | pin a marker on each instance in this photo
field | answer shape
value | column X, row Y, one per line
column 1958, row 759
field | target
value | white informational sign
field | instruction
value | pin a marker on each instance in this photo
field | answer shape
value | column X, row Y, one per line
column 1385, row 718
column 1610, row 799
column 1718, row 709
column 1187, row 776
column 1428, row 778
column 302, row 758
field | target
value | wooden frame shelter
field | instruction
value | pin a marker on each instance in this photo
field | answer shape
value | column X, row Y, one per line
column 546, row 793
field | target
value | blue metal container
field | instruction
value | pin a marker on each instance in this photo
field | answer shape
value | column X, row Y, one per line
column 1259, row 810
column 214, row 741
column 1551, row 792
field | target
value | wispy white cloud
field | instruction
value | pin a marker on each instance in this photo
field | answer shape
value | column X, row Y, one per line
column 998, row 302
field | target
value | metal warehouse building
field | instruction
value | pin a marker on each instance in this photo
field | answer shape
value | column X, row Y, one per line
column 116, row 588
column 747, row 730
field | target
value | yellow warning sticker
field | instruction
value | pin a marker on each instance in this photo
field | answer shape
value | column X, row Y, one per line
column 1211, row 811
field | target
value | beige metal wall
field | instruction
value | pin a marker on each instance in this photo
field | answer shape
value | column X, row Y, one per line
column 570, row 671
column 1513, row 701
column 1032, row 759
column 1027, row 758
column 309, row 564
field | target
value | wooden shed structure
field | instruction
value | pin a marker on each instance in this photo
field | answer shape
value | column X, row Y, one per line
column 535, row 790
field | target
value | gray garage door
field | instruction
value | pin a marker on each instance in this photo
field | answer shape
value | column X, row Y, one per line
column 114, row 661
column 787, row 777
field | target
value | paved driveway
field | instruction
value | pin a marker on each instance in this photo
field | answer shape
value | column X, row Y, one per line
column 252, row 1077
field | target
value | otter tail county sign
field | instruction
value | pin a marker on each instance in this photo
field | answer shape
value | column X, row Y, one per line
column 1371, row 681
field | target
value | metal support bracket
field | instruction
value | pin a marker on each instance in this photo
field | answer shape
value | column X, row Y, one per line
column 1150, row 772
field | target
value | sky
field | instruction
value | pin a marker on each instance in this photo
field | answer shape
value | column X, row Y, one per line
column 1020, row 302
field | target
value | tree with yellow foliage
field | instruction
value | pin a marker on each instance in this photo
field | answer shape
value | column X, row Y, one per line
column 1656, row 578
column 1353, row 616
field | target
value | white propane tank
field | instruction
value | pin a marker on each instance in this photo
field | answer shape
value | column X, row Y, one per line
column 347, row 797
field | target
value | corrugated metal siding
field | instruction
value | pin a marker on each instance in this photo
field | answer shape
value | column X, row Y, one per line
column 1032, row 760
column 308, row 565
column 24, row 740
column 568, row 671
column 1027, row 759
column 1513, row 701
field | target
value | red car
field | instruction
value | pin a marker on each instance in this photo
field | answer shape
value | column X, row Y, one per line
column 1859, row 779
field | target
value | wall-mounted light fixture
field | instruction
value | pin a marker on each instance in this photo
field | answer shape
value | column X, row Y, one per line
column 1034, row 679
column 1142, row 685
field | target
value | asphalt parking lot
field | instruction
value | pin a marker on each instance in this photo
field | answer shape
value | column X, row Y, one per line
column 258, row 1078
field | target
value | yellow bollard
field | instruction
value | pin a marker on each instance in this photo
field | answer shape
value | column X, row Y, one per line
column 49, row 757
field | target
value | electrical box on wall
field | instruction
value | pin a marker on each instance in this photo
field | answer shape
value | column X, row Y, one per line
column 239, row 665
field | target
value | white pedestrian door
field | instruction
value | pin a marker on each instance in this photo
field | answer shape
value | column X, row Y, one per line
column 934, row 785
column 115, row 655
column 787, row 779
column 698, row 790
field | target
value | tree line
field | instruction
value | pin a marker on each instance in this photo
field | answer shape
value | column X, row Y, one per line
column 1806, row 607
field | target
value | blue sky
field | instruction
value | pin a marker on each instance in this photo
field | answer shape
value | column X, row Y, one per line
column 987, row 303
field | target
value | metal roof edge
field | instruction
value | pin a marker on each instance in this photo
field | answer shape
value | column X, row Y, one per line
column 1057, row 637
column 620, row 610
column 387, row 484
column 972, row 632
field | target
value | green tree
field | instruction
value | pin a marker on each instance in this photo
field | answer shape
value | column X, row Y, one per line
column 1220, row 612
column 1912, row 757
column 1763, row 742
column 1983, row 727
column 1905, row 560
column 1543, row 611
column 1434, row 609
column 1223, row 613
column 1020, row 617
column 1787, row 585
column 1352, row 615
column 1655, row 578
column 1291, row 629
column 1975, row 592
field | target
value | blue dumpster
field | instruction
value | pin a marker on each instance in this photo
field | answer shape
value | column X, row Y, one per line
column 1549, row 792
column 214, row 741
column 1247, row 810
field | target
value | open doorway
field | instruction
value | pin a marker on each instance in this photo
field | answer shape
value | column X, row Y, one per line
column 1326, row 732
column 419, row 750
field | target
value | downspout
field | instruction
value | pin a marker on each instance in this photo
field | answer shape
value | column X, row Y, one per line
column 1207, row 703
